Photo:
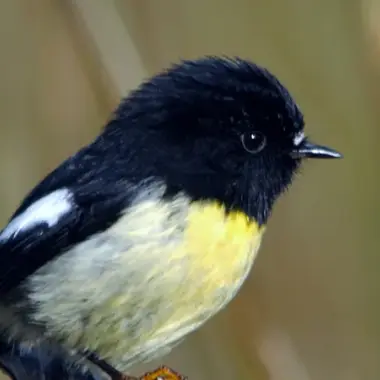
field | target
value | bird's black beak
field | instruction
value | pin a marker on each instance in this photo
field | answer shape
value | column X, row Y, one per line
column 306, row 149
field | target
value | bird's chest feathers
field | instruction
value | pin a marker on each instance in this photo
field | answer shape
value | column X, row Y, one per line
column 221, row 246
column 181, row 243
column 161, row 271
column 194, row 250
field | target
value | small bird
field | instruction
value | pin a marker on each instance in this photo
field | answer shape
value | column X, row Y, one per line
column 151, row 229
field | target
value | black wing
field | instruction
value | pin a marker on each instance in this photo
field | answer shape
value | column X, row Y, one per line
column 98, row 197
column 44, row 361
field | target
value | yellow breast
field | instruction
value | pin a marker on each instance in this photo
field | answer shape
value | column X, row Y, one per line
column 216, row 254
column 222, row 244
column 217, row 250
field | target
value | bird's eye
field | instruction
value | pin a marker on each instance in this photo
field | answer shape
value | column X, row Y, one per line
column 253, row 142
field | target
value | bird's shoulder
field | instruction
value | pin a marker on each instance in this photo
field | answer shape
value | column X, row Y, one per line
column 84, row 195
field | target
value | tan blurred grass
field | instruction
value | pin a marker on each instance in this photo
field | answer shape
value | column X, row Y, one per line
column 309, row 310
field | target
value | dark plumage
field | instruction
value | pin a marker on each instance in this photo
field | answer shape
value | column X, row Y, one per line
column 196, row 112
column 44, row 362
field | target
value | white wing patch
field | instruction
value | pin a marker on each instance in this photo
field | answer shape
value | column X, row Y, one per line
column 49, row 209
column 298, row 138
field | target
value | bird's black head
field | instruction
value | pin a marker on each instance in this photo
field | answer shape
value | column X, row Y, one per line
column 216, row 128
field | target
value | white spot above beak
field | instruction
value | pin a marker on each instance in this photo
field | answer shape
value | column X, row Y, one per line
column 298, row 138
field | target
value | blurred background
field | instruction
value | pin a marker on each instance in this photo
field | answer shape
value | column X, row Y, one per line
column 310, row 309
